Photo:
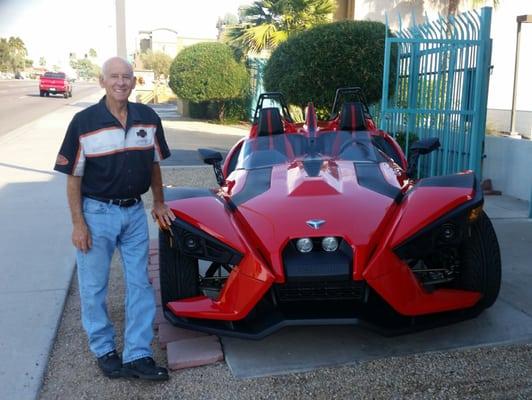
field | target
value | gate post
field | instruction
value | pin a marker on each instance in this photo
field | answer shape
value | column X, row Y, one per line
column 478, row 128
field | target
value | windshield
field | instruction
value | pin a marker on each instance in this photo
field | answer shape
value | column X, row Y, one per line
column 265, row 151
column 57, row 75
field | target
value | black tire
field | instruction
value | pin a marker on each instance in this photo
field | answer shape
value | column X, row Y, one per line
column 179, row 274
column 65, row 95
column 481, row 262
column 41, row 93
column 70, row 94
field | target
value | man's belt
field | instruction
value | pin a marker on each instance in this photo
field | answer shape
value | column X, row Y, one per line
column 117, row 202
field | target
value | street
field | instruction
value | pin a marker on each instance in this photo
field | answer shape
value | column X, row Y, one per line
column 20, row 102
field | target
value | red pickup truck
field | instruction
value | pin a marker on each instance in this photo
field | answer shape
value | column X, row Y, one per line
column 55, row 83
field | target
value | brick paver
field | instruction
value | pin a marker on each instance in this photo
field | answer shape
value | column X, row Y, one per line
column 169, row 333
column 194, row 352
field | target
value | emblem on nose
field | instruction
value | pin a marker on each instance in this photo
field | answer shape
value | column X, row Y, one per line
column 315, row 223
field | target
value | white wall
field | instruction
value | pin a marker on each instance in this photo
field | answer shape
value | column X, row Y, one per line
column 503, row 32
column 499, row 120
column 508, row 164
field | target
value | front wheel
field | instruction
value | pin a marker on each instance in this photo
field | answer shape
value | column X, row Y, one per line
column 481, row 262
column 41, row 93
column 179, row 274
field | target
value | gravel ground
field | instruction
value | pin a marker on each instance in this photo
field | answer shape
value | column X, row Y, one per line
column 501, row 372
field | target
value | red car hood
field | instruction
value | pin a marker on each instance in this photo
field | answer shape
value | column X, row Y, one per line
column 276, row 203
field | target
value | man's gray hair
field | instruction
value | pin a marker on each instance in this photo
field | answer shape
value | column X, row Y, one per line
column 105, row 65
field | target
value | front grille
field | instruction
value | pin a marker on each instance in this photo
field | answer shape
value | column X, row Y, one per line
column 316, row 291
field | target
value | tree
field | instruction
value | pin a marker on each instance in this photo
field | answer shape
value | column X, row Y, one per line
column 12, row 54
column 92, row 53
column 157, row 61
column 313, row 64
column 4, row 55
column 84, row 67
column 267, row 23
column 18, row 53
column 208, row 72
column 452, row 5
column 42, row 61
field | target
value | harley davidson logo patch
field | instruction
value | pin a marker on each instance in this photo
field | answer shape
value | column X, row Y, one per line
column 61, row 160
column 142, row 133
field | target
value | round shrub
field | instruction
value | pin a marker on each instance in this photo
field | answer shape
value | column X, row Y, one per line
column 208, row 72
column 310, row 66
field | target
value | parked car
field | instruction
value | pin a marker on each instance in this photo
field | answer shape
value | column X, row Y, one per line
column 325, row 223
column 55, row 83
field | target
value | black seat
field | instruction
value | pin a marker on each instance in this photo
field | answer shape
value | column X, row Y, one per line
column 270, row 122
column 352, row 117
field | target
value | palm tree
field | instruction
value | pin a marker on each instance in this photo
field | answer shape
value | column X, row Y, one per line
column 452, row 8
column 267, row 23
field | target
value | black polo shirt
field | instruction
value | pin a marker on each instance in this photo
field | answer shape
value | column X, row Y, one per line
column 115, row 163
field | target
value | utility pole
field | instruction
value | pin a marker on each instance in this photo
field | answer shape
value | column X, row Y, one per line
column 121, row 28
column 520, row 20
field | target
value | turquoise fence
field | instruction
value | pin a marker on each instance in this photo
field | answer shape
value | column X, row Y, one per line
column 256, row 68
column 440, row 78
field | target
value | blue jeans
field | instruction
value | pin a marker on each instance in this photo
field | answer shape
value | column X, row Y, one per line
column 124, row 228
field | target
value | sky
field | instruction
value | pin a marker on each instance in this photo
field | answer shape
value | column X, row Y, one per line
column 54, row 28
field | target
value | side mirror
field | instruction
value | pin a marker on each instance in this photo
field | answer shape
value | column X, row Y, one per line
column 213, row 158
column 420, row 147
column 425, row 146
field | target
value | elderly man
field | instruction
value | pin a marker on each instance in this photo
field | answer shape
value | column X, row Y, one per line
column 111, row 153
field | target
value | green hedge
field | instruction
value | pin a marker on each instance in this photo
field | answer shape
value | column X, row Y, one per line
column 310, row 66
column 208, row 72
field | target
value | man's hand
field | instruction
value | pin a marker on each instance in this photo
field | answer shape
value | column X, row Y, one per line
column 81, row 237
column 162, row 214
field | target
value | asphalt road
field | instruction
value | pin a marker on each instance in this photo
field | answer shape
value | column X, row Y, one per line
column 20, row 102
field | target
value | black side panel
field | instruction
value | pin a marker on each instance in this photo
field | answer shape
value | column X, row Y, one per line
column 456, row 180
column 257, row 182
column 207, row 247
column 370, row 176
column 180, row 193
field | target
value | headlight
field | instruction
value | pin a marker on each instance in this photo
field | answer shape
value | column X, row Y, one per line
column 448, row 232
column 329, row 243
column 304, row 245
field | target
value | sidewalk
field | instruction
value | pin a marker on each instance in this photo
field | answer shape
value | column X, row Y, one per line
column 37, row 255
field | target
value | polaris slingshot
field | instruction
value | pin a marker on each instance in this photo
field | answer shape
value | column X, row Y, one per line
column 325, row 223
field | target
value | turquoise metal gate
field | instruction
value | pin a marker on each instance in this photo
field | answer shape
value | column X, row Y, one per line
column 441, row 88
column 256, row 69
